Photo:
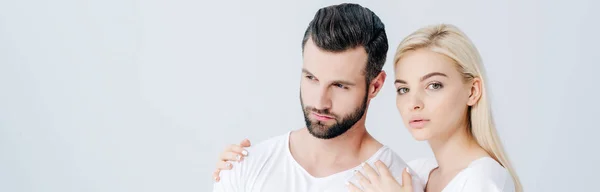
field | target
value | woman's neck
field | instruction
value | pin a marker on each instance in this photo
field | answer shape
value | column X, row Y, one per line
column 456, row 150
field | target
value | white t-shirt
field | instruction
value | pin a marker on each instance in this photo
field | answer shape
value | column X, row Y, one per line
column 270, row 167
column 483, row 174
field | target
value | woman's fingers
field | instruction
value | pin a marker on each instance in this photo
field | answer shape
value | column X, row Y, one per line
column 216, row 175
column 370, row 172
column 383, row 169
column 245, row 143
column 406, row 181
column 230, row 156
column 352, row 187
column 362, row 180
column 224, row 165
column 233, row 153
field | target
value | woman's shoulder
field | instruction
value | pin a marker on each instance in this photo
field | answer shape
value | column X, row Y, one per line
column 488, row 175
column 487, row 167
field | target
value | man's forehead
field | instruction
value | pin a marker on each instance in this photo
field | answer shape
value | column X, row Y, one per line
column 325, row 71
column 347, row 64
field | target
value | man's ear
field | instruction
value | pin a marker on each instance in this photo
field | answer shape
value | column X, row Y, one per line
column 376, row 84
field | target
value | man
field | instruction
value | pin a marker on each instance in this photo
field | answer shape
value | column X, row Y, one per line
column 344, row 49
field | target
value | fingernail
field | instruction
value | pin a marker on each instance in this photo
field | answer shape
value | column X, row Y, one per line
column 244, row 152
column 239, row 157
column 362, row 164
column 228, row 164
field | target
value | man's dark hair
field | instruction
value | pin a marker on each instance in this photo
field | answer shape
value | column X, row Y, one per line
column 345, row 26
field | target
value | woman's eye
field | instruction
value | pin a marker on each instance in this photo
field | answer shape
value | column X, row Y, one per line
column 402, row 90
column 435, row 86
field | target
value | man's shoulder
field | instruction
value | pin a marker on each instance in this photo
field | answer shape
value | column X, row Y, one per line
column 423, row 164
column 389, row 157
column 245, row 171
column 422, row 167
column 269, row 145
column 396, row 166
column 262, row 152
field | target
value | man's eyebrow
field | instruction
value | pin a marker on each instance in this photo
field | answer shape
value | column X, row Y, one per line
column 347, row 83
column 307, row 72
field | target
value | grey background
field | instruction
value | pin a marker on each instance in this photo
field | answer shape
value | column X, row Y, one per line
column 124, row 95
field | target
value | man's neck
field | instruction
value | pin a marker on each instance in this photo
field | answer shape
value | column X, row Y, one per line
column 323, row 157
column 456, row 151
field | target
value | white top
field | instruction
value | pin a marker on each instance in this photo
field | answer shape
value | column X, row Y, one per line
column 270, row 167
column 483, row 174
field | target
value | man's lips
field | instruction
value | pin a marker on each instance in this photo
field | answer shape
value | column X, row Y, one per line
column 321, row 117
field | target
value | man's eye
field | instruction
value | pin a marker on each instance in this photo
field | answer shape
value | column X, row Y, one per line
column 339, row 86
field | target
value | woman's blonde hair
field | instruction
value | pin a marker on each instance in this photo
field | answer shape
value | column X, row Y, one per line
column 448, row 40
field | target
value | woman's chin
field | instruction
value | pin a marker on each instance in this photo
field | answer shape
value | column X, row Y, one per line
column 420, row 134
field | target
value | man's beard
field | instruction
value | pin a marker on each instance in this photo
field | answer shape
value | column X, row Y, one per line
column 319, row 130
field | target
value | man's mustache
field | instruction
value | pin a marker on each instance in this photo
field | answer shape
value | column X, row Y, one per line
column 321, row 111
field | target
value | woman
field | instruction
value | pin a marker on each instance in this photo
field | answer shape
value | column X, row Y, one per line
column 442, row 98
